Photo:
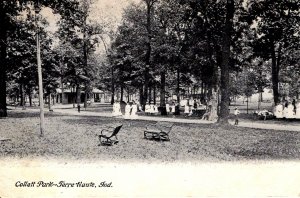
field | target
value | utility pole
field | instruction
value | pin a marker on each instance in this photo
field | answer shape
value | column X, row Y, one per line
column 39, row 64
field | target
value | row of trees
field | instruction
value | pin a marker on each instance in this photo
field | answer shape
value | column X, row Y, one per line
column 232, row 47
column 20, row 23
column 67, row 55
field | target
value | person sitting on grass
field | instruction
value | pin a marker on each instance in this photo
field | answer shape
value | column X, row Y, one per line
column 265, row 114
column 236, row 113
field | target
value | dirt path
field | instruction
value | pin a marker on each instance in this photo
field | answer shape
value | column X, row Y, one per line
column 257, row 125
column 242, row 123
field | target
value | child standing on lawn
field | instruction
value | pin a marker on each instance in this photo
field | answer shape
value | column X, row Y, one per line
column 236, row 113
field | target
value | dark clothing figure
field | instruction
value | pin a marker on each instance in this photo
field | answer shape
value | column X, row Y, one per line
column 236, row 121
column 236, row 113
column 294, row 105
column 195, row 104
column 78, row 107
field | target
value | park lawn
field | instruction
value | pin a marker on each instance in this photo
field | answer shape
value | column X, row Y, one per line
column 74, row 138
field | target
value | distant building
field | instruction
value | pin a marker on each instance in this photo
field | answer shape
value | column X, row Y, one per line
column 69, row 96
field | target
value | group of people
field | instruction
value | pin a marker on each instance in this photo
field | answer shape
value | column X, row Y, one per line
column 131, row 110
column 190, row 106
column 288, row 110
column 171, row 108
column 151, row 108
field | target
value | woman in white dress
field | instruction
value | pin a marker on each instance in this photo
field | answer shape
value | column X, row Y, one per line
column 128, row 109
column 152, row 110
column 191, row 110
column 186, row 109
column 155, row 109
column 147, row 109
column 116, row 109
column 278, row 112
column 290, row 111
column 173, row 108
column 133, row 114
column 297, row 116
column 168, row 108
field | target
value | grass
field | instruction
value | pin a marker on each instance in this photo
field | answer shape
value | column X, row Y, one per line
column 74, row 138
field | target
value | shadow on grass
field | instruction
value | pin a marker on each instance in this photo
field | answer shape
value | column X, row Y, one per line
column 282, row 147
column 73, row 137
column 100, row 121
column 30, row 114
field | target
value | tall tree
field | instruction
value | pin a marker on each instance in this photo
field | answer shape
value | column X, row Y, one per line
column 224, row 112
column 83, row 34
column 8, row 9
column 8, row 12
column 149, row 18
column 277, row 32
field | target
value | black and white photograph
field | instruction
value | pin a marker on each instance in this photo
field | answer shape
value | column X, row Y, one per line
column 149, row 98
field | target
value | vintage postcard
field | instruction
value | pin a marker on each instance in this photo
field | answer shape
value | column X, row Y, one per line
column 149, row 98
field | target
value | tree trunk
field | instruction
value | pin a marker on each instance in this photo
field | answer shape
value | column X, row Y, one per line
column 3, row 54
column 149, row 5
column 73, row 96
column 49, row 101
column 78, row 95
column 62, row 90
column 86, row 92
column 259, row 101
column 224, row 111
column 29, row 96
column 112, row 101
column 141, row 95
column 202, row 89
column 128, row 95
column 150, row 94
column 122, row 93
column 154, row 95
column 22, row 95
column 178, row 91
column 163, row 93
column 275, row 72
column 18, row 95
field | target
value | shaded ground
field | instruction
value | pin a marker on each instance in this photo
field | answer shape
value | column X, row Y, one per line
column 74, row 137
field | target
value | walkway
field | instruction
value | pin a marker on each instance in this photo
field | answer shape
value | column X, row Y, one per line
column 258, row 125
column 73, row 111
column 69, row 110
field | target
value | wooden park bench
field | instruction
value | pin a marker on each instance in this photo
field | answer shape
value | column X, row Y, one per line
column 111, row 138
column 158, row 131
